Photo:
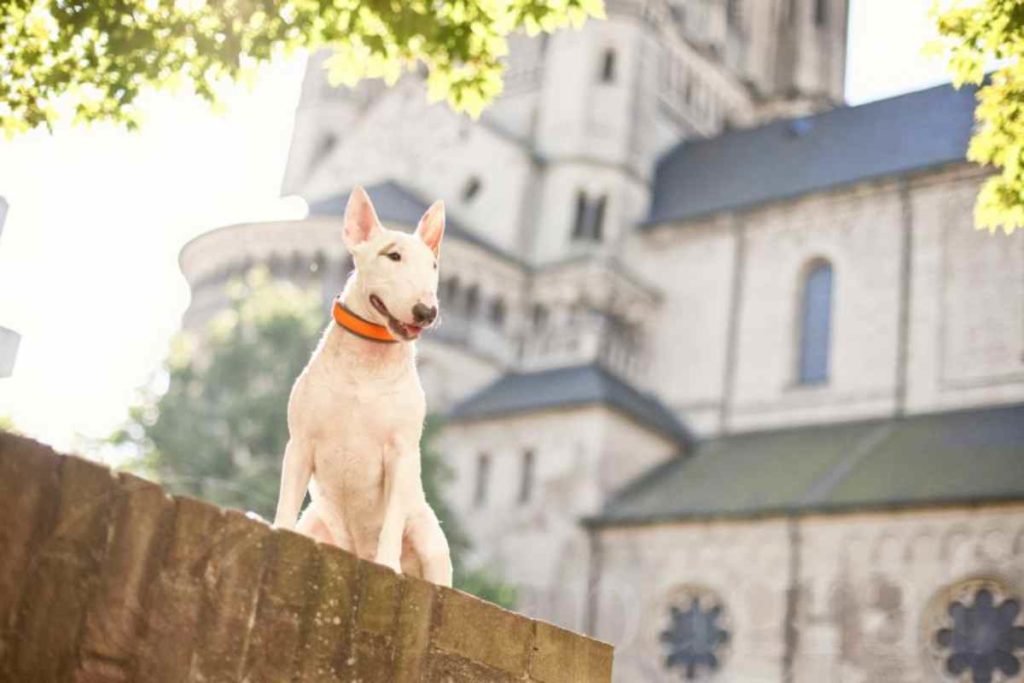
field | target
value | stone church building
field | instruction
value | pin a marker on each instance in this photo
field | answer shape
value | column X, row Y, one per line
column 730, row 380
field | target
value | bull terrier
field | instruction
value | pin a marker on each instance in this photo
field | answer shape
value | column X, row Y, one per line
column 355, row 414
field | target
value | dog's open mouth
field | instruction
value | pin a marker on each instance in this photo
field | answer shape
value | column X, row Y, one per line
column 406, row 331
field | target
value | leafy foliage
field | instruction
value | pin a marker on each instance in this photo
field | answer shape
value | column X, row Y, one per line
column 219, row 430
column 7, row 425
column 91, row 60
column 975, row 34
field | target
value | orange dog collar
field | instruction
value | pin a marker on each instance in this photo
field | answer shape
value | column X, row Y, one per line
column 360, row 327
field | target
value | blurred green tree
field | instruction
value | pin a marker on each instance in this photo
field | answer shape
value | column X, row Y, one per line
column 219, row 430
column 7, row 424
column 90, row 61
column 975, row 34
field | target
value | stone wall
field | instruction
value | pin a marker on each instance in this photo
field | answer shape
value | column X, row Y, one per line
column 104, row 577
column 840, row 598
column 535, row 541
column 910, row 274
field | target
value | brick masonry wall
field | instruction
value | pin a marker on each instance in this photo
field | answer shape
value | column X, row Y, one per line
column 105, row 577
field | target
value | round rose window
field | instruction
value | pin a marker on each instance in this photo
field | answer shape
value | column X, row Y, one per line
column 696, row 635
column 977, row 633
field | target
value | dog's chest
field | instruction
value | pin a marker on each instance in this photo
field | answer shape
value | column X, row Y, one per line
column 355, row 418
column 375, row 406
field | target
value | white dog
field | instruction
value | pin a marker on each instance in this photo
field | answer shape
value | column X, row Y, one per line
column 356, row 412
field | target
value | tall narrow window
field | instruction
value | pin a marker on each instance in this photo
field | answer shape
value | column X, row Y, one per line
column 483, row 475
column 579, row 225
column 526, row 477
column 472, row 300
column 588, row 223
column 608, row 67
column 497, row 312
column 540, row 316
column 597, row 219
column 816, row 324
column 450, row 291
column 732, row 12
column 820, row 12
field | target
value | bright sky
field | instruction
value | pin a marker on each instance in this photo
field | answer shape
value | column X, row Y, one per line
column 88, row 256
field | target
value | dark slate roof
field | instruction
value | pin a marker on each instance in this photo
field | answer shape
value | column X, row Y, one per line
column 397, row 203
column 569, row 387
column 785, row 159
column 961, row 457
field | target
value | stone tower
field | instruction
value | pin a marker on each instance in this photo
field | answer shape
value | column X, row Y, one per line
column 589, row 112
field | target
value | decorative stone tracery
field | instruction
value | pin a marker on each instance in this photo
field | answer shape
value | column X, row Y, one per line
column 697, row 635
column 975, row 632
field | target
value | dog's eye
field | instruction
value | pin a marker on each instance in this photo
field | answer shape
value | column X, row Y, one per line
column 435, row 265
column 395, row 256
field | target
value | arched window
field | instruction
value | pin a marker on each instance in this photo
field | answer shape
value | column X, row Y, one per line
column 608, row 66
column 816, row 324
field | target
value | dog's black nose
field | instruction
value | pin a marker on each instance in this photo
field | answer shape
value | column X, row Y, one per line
column 423, row 314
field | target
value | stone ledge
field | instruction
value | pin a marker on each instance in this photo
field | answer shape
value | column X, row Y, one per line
column 105, row 577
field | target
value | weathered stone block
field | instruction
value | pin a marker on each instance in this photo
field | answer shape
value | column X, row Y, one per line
column 412, row 638
column 65, row 574
column 376, row 618
column 28, row 479
column 483, row 632
column 446, row 667
column 172, row 606
column 231, row 588
column 114, row 615
column 276, row 632
column 329, row 617
column 561, row 656
column 380, row 590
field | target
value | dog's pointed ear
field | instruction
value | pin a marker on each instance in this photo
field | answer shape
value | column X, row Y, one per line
column 361, row 222
column 431, row 227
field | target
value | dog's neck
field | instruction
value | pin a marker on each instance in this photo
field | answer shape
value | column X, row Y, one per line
column 344, row 346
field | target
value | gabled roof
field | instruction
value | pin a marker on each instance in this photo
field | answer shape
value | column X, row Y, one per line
column 786, row 159
column 397, row 203
column 566, row 388
column 961, row 457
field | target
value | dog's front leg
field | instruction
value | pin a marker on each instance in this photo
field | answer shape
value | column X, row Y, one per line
column 431, row 547
column 296, row 471
column 401, row 484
